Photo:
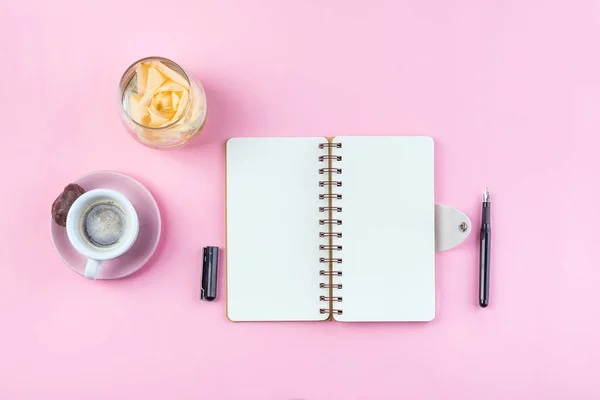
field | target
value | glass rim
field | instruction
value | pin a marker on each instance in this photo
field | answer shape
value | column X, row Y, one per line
column 122, row 92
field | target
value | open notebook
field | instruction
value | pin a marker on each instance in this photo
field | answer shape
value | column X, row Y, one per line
column 339, row 228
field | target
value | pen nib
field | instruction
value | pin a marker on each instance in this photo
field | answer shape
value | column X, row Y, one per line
column 486, row 195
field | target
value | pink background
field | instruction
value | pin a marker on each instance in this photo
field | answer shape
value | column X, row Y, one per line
column 510, row 91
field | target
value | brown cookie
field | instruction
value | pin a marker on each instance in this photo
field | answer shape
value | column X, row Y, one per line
column 62, row 204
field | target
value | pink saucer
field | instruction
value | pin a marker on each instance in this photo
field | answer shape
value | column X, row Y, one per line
column 148, row 236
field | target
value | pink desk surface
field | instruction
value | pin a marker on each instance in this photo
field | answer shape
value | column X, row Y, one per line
column 510, row 91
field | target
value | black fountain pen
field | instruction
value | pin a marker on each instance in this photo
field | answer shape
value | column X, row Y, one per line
column 484, row 251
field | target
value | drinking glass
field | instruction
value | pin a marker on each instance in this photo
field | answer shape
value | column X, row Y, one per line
column 172, row 133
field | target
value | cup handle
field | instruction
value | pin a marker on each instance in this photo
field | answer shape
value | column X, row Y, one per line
column 92, row 268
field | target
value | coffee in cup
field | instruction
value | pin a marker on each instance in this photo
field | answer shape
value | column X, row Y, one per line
column 101, row 224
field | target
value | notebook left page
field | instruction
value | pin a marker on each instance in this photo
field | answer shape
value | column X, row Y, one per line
column 272, row 229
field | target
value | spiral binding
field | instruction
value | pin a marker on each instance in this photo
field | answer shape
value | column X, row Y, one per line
column 330, row 234
column 330, row 183
column 333, row 311
column 332, row 219
column 330, row 247
column 335, row 196
column 328, row 145
column 330, row 157
column 327, row 298
column 328, row 273
column 336, row 209
column 330, row 285
column 330, row 170
column 324, row 260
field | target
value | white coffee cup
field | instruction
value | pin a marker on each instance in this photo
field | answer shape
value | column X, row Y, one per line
column 105, row 214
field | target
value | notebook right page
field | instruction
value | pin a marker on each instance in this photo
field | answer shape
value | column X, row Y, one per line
column 388, row 248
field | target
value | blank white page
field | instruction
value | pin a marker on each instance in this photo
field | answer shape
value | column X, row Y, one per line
column 388, row 242
column 273, row 229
